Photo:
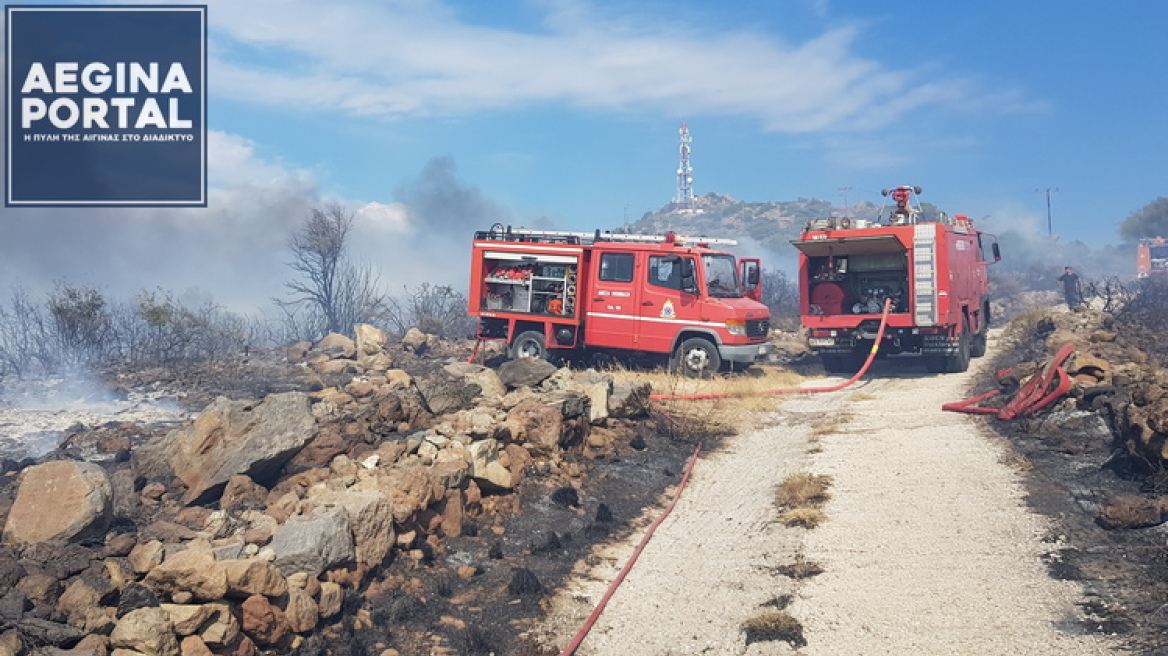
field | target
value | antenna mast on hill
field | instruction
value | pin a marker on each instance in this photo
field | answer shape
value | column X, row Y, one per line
column 685, row 198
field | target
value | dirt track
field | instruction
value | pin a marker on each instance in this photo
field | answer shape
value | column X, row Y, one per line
column 928, row 547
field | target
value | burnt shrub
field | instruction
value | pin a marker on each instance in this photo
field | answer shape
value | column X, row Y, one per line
column 774, row 626
column 524, row 582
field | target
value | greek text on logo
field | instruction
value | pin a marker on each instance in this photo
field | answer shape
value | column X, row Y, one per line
column 106, row 105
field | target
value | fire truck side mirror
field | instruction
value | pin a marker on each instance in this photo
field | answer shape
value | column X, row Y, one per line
column 750, row 274
column 997, row 252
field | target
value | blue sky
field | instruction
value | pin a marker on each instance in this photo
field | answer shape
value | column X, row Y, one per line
column 567, row 111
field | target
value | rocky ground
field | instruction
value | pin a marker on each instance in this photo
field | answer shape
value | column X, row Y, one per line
column 357, row 497
column 363, row 497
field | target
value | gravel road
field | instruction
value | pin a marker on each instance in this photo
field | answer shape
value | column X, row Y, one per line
column 928, row 546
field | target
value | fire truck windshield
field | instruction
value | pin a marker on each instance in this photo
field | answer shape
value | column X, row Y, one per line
column 721, row 276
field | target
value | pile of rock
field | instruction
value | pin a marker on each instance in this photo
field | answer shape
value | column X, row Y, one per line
column 249, row 527
column 1117, row 406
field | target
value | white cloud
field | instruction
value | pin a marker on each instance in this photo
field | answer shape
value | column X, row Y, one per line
column 383, row 218
column 419, row 58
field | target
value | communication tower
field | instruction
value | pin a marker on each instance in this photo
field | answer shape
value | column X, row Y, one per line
column 685, row 198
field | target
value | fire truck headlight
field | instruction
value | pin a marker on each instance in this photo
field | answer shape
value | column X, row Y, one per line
column 736, row 326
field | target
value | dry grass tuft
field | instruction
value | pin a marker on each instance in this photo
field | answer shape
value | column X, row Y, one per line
column 799, row 499
column 774, row 626
column 803, row 489
column 830, row 425
column 801, row 568
column 805, row 517
column 744, row 397
column 743, row 390
column 861, row 396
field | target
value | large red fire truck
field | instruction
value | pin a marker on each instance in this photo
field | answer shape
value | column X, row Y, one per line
column 1152, row 258
column 551, row 293
column 932, row 269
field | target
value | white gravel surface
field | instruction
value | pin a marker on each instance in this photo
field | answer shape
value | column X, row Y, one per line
column 928, row 547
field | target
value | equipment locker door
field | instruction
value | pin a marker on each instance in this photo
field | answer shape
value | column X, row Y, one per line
column 612, row 300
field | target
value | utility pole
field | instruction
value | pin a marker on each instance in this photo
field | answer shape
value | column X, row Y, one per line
column 845, row 191
column 1049, row 224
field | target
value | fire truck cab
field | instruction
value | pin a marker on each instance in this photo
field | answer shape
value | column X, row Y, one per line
column 550, row 294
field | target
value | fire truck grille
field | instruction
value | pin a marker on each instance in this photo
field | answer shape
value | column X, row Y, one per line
column 758, row 327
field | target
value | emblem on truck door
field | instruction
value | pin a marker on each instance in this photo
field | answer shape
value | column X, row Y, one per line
column 667, row 311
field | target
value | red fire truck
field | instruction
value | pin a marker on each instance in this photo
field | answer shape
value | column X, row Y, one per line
column 1152, row 258
column 550, row 294
column 933, row 270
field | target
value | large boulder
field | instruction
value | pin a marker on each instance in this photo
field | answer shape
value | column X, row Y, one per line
column 409, row 489
column 222, row 629
column 263, row 622
column 486, row 467
column 147, row 631
column 1130, row 511
column 540, row 423
column 301, row 611
column 370, row 520
column 371, row 342
column 193, row 571
column 187, row 619
column 314, row 543
column 527, row 372
column 444, row 395
column 628, row 399
column 415, row 341
column 241, row 437
column 60, row 500
column 335, row 346
column 246, row 577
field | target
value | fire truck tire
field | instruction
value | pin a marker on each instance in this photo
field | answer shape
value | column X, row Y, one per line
column 977, row 345
column 696, row 357
column 959, row 361
column 529, row 344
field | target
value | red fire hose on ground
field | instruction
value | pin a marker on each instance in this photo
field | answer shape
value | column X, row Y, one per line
column 583, row 632
column 1040, row 391
column 798, row 390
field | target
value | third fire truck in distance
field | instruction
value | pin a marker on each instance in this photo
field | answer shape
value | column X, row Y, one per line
column 1152, row 258
column 932, row 270
column 549, row 293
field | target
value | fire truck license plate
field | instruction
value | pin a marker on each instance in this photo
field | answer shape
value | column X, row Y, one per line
column 821, row 341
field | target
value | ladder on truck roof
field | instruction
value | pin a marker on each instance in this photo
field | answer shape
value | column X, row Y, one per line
column 497, row 232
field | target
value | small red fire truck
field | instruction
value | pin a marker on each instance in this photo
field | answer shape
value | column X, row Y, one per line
column 934, row 272
column 550, row 293
column 1152, row 258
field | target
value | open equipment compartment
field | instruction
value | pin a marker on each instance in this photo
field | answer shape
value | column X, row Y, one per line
column 532, row 284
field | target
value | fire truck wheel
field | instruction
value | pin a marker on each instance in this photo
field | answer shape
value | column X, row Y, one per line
column 977, row 346
column 697, row 358
column 529, row 344
column 959, row 361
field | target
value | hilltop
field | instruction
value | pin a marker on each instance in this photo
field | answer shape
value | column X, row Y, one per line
column 772, row 223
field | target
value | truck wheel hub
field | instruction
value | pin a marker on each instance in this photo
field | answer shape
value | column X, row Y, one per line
column 697, row 359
